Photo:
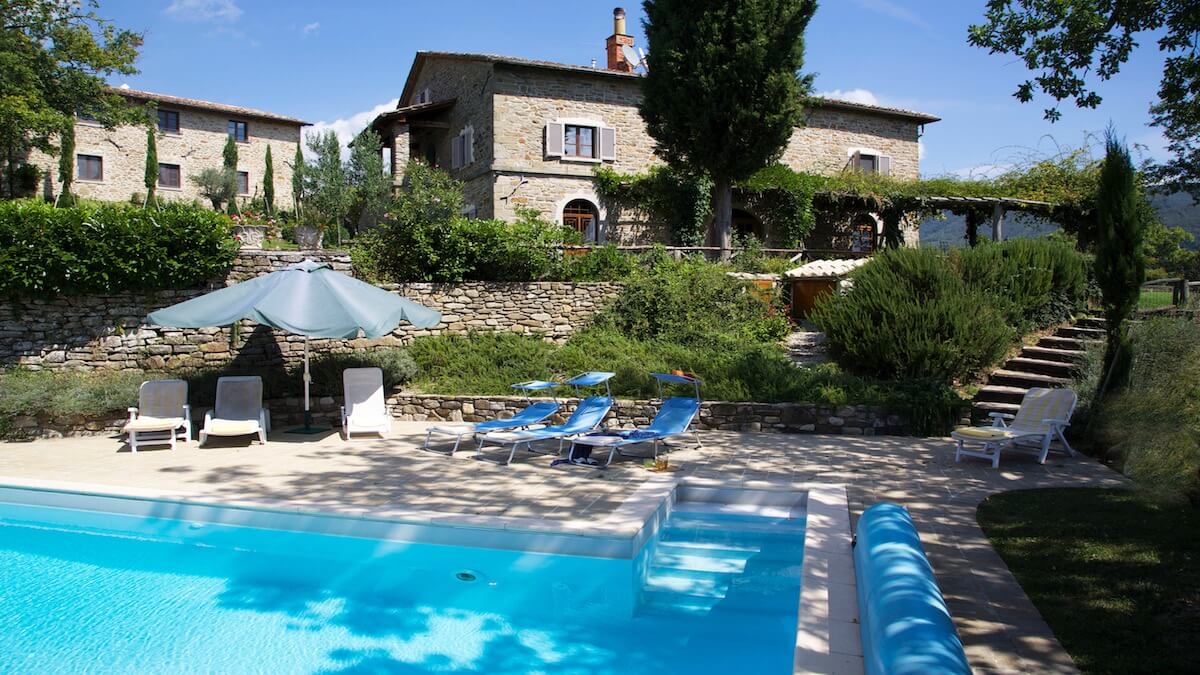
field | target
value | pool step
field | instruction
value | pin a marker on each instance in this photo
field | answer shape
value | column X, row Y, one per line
column 713, row 556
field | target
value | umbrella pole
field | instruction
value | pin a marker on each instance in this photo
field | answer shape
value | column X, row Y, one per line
column 308, row 427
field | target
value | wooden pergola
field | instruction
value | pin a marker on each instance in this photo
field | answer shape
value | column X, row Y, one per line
column 999, row 206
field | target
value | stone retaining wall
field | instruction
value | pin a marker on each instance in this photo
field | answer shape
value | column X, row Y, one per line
column 723, row 415
column 106, row 331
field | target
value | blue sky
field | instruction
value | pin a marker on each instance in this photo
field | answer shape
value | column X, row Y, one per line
column 337, row 63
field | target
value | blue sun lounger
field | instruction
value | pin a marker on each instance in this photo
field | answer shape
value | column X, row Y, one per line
column 533, row 414
column 674, row 418
column 590, row 412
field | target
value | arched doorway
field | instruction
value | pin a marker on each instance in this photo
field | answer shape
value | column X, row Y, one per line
column 864, row 233
column 747, row 224
column 582, row 216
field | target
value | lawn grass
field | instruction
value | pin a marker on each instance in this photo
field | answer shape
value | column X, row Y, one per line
column 1116, row 575
column 1151, row 298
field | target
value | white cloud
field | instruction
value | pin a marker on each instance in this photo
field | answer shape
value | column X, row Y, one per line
column 204, row 10
column 920, row 150
column 895, row 11
column 124, row 86
column 347, row 128
column 310, row 27
column 863, row 96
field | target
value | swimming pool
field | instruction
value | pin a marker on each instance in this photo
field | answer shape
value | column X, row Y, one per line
column 715, row 589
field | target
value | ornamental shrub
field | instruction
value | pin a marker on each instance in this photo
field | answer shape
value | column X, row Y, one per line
column 1033, row 282
column 693, row 301
column 109, row 248
column 910, row 315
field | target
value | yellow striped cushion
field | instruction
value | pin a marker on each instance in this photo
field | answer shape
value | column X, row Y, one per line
column 984, row 433
column 145, row 423
column 219, row 427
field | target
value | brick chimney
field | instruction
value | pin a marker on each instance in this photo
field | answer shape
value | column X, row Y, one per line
column 616, row 57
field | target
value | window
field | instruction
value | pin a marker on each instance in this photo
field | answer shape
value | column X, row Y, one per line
column 462, row 148
column 243, row 183
column 870, row 161
column 577, row 141
column 238, row 131
column 86, row 117
column 168, row 121
column 863, row 234
column 168, row 175
column 581, row 141
column 89, row 167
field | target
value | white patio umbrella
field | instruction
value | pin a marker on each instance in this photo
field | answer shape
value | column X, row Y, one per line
column 307, row 298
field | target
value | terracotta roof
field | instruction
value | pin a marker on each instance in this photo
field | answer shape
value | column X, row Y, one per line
column 238, row 111
column 826, row 269
column 919, row 117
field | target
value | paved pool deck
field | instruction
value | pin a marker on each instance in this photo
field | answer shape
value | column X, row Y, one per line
column 1001, row 629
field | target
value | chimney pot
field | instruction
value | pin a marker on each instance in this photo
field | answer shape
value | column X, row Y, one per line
column 619, row 38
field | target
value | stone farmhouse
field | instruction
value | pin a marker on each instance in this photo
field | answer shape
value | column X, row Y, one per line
column 527, row 133
column 110, row 164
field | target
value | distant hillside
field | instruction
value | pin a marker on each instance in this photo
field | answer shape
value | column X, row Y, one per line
column 1175, row 210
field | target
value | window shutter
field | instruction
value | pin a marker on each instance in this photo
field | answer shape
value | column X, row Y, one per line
column 885, row 165
column 554, row 139
column 608, row 143
column 456, row 152
column 469, row 146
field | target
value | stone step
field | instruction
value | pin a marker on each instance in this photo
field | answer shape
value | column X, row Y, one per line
column 996, row 393
column 982, row 408
column 1080, row 333
column 1050, row 354
column 1056, row 342
column 1054, row 368
column 1091, row 322
column 1019, row 378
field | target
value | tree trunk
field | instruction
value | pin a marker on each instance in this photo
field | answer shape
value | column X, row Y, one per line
column 722, row 222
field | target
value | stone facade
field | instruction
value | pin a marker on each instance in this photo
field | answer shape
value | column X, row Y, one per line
column 198, row 145
column 107, row 332
column 509, row 102
column 407, row 406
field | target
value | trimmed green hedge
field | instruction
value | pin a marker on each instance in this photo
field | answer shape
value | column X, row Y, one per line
column 109, row 248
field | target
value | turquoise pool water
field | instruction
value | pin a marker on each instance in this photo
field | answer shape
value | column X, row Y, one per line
column 83, row 591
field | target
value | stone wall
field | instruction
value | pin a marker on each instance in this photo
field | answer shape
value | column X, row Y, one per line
column 722, row 415
column 197, row 146
column 106, row 332
column 823, row 145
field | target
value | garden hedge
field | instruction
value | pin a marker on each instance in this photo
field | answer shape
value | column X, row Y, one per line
column 98, row 249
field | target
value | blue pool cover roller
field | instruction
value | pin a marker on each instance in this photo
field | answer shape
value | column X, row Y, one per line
column 906, row 628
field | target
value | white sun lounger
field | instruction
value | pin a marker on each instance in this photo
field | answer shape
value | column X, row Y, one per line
column 1043, row 415
column 161, row 416
column 238, row 410
column 365, row 409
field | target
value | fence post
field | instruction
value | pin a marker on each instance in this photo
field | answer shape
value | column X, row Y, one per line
column 1184, row 291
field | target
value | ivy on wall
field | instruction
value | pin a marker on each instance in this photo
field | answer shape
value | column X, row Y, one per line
column 791, row 202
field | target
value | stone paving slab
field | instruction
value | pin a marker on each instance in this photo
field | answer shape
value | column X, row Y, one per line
column 1000, row 628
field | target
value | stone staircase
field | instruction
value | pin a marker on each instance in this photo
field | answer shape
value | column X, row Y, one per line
column 1053, row 362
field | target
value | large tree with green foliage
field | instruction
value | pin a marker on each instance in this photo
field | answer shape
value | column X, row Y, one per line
column 1071, row 44
column 269, row 182
column 218, row 186
column 327, row 194
column 1120, row 260
column 371, row 186
column 724, row 92
column 54, row 56
column 151, row 165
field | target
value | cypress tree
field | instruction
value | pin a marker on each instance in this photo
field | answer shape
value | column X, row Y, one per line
column 297, row 178
column 66, row 164
column 151, row 165
column 1120, row 261
column 269, row 182
column 724, row 91
column 230, row 154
